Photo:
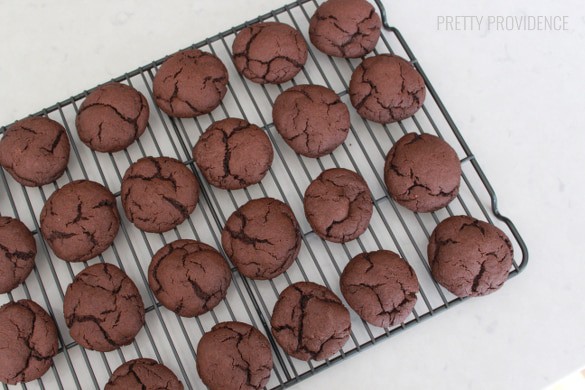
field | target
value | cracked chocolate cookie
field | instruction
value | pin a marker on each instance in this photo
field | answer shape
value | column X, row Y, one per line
column 35, row 151
column 338, row 205
column 190, row 83
column 189, row 277
column 386, row 88
column 311, row 119
column 234, row 355
column 310, row 322
column 112, row 117
column 469, row 257
column 145, row 374
column 262, row 238
column 28, row 341
column 103, row 308
column 269, row 52
column 158, row 193
column 18, row 250
column 422, row 172
column 345, row 28
column 380, row 286
column 80, row 220
column 233, row 154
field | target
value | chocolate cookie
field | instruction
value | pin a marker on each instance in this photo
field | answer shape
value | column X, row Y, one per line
column 386, row 88
column 312, row 119
column 338, row 205
column 35, row 151
column 233, row 154
column 422, row 172
column 28, row 341
column 112, row 117
column 103, row 308
column 262, row 238
column 189, row 277
column 80, row 220
column 158, row 193
column 190, row 83
column 18, row 250
column 345, row 28
column 269, row 52
column 380, row 286
column 310, row 322
column 469, row 257
column 145, row 374
column 234, row 355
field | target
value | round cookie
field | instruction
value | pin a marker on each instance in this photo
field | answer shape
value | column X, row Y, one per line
column 18, row 250
column 234, row 355
column 262, row 238
column 145, row 374
column 233, row 154
column 386, row 88
column 158, row 193
column 269, row 52
column 190, row 83
column 112, row 117
column 103, row 308
column 422, row 172
column 189, row 277
column 469, row 257
column 380, row 286
column 338, row 205
column 28, row 341
column 35, row 151
column 345, row 28
column 310, row 322
column 311, row 119
column 80, row 220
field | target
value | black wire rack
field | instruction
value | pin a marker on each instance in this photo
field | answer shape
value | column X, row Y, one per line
column 172, row 339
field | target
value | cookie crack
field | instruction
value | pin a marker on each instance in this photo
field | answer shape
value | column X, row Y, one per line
column 33, row 353
column 181, row 208
column 54, row 144
column 158, row 175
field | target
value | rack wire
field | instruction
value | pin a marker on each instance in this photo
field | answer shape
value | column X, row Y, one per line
column 171, row 339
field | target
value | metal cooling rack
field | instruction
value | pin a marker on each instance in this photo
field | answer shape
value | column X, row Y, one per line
column 172, row 339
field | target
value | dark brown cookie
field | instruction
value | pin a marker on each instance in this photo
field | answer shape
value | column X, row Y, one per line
column 469, row 257
column 112, row 117
column 262, row 238
column 269, row 52
column 190, row 83
column 18, row 250
column 386, row 88
column 159, row 193
column 28, row 341
column 312, row 119
column 345, row 28
column 310, row 322
column 380, row 286
column 233, row 154
column 422, row 172
column 35, row 151
column 338, row 205
column 189, row 277
column 234, row 355
column 80, row 220
column 145, row 374
column 103, row 308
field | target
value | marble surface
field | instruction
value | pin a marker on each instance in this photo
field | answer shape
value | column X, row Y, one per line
column 517, row 96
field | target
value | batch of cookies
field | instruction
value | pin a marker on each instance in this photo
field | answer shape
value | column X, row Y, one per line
column 103, row 307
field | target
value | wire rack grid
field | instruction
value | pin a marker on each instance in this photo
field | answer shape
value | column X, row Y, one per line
column 172, row 339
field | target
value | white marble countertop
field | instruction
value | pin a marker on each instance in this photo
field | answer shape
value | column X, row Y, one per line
column 517, row 97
